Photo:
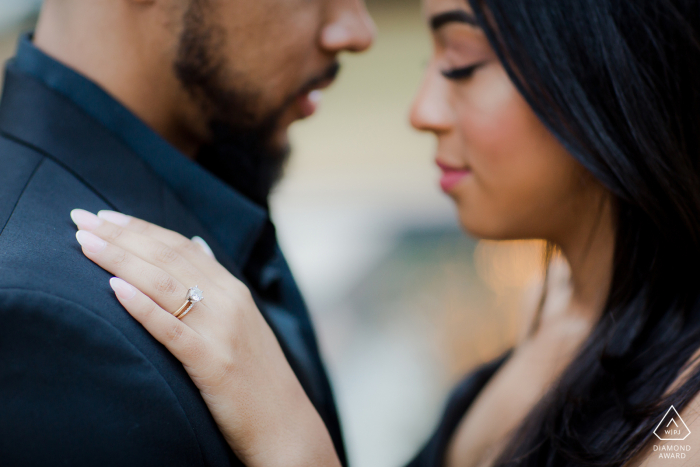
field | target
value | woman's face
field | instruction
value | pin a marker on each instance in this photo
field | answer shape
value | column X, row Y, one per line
column 509, row 176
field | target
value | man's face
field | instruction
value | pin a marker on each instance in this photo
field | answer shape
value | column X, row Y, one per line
column 252, row 66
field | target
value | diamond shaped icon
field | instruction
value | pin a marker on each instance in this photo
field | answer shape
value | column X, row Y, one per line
column 672, row 427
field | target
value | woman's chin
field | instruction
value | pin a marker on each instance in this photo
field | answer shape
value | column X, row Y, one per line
column 486, row 229
column 477, row 230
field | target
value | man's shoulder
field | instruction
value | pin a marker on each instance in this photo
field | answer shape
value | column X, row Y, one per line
column 40, row 259
column 31, row 179
column 85, row 380
column 37, row 240
column 18, row 163
column 77, row 387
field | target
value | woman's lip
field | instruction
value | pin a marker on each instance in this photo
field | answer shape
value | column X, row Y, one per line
column 449, row 168
column 452, row 178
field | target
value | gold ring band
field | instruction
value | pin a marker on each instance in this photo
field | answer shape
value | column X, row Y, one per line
column 183, row 310
column 194, row 295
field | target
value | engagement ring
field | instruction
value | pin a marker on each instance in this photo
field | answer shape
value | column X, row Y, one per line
column 194, row 295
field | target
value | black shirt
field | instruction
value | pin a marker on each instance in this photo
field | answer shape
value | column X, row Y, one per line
column 433, row 454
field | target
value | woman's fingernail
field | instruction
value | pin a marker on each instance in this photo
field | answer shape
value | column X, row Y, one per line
column 123, row 289
column 90, row 241
column 115, row 217
column 85, row 220
column 200, row 241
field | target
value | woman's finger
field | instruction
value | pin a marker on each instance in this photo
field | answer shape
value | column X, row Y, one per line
column 164, row 289
column 145, row 247
column 192, row 251
column 179, row 338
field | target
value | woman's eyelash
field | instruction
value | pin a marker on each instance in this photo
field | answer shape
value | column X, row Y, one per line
column 461, row 73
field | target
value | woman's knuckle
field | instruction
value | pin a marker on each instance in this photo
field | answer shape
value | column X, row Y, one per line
column 140, row 227
column 120, row 258
column 175, row 331
column 165, row 284
column 166, row 255
column 150, row 310
column 186, row 246
column 113, row 233
column 243, row 293
column 228, row 367
column 238, row 289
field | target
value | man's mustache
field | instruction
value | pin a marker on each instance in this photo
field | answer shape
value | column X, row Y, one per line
column 328, row 75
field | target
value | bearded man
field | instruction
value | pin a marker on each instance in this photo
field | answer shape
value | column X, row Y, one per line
column 176, row 112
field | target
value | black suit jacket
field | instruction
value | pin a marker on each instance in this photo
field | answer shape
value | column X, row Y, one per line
column 81, row 382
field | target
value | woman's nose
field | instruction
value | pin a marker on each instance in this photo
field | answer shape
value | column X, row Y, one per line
column 430, row 110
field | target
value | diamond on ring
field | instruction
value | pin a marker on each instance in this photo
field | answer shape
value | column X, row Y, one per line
column 195, row 295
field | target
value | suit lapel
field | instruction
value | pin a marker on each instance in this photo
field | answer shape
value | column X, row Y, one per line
column 47, row 121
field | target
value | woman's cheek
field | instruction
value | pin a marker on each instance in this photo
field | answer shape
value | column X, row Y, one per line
column 519, row 170
column 496, row 131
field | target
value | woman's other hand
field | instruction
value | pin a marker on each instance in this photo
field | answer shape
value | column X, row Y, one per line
column 224, row 342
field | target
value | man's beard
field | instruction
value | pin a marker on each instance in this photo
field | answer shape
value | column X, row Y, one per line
column 240, row 150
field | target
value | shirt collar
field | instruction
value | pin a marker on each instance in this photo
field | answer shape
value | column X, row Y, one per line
column 235, row 221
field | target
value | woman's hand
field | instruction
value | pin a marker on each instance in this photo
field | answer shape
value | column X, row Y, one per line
column 224, row 343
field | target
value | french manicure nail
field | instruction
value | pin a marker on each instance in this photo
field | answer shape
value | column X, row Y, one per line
column 123, row 289
column 85, row 220
column 114, row 217
column 90, row 241
column 200, row 241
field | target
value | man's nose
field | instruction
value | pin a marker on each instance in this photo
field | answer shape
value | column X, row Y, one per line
column 349, row 27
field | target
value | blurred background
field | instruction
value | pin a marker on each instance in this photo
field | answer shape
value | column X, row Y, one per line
column 404, row 303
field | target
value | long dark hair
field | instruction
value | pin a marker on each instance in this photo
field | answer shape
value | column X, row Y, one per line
column 618, row 83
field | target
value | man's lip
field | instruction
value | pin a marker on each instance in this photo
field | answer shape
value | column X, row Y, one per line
column 324, row 84
column 306, row 101
column 323, row 79
column 317, row 86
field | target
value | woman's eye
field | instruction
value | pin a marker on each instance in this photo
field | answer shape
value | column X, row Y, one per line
column 459, row 74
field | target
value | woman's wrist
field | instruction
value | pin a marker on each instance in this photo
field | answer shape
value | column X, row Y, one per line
column 299, row 439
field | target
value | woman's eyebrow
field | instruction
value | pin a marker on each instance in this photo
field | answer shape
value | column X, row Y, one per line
column 453, row 16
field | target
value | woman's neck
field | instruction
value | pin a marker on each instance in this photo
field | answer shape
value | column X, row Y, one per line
column 589, row 249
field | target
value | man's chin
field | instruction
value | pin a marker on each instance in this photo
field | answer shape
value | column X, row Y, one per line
column 279, row 141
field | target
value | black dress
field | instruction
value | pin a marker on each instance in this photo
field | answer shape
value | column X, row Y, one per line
column 433, row 453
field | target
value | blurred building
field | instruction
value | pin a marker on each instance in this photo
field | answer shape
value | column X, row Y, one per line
column 404, row 303
column 15, row 16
